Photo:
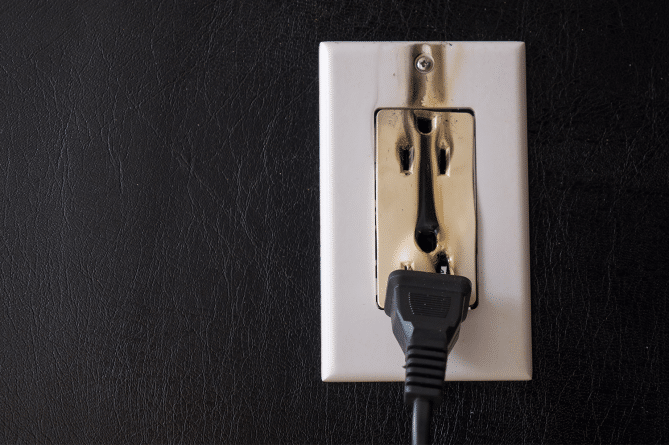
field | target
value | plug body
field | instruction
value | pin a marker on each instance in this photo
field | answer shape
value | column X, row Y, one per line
column 426, row 311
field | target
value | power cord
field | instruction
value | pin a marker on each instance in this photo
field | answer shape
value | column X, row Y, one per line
column 426, row 310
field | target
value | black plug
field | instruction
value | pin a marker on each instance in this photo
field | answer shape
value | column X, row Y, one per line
column 426, row 310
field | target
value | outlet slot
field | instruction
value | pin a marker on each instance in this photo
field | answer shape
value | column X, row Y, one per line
column 441, row 158
column 406, row 160
column 424, row 125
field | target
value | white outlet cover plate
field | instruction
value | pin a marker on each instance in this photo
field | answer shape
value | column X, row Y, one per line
column 356, row 79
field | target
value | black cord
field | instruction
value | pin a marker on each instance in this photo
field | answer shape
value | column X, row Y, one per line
column 426, row 310
column 422, row 414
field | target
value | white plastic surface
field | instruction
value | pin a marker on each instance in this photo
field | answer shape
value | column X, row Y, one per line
column 356, row 79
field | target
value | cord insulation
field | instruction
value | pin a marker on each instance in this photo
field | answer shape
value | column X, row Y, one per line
column 422, row 414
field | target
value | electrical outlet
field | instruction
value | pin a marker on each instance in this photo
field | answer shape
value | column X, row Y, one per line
column 377, row 102
column 425, row 200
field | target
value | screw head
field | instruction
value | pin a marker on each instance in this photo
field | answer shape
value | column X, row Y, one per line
column 424, row 63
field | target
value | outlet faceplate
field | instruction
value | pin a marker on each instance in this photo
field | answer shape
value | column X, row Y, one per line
column 487, row 79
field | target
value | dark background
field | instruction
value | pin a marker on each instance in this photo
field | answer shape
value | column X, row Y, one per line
column 159, row 242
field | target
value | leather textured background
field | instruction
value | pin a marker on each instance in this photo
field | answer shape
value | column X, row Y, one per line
column 159, row 243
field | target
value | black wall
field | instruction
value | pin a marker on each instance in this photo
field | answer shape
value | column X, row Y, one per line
column 159, row 223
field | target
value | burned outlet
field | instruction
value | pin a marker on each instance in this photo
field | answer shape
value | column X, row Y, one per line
column 423, row 166
column 425, row 194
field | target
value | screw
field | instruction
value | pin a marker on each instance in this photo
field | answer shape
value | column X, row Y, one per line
column 424, row 63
